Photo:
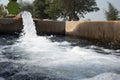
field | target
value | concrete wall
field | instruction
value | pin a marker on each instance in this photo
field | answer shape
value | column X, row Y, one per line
column 100, row 30
column 50, row 27
column 10, row 26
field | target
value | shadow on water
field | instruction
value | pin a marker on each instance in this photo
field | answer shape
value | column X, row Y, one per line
column 15, row 71
column 6, row 43
column 97, row 46
column 7, row 39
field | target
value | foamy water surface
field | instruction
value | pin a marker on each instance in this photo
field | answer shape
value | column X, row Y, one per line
column 58, row 59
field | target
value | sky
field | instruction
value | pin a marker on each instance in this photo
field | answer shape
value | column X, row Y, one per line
column 102, row 4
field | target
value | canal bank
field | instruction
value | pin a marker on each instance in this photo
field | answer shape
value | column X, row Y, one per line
column 96, row 30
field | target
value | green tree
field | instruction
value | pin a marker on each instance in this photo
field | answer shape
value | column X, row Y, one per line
column 53, row 9
column 112, row 13
column 71, row 9
column 39, row 9
column 3, row 11
column 13, row 7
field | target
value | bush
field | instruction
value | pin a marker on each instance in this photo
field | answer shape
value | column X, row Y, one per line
column 3, row 11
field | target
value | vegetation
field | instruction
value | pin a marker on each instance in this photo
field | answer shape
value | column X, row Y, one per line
column 3, row 11
column 53, row 9
column 13, row 7
column 67, row 9
column 74, row 9
column 39, row 9
column 112, row 13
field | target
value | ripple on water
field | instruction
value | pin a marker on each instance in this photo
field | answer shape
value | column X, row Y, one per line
column 2, row 78
column 105, row 76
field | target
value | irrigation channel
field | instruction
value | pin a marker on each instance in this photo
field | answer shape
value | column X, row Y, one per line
column 33, row 57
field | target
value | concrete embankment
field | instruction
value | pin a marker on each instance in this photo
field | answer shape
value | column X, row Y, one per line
column 50, row 27
column 10, row 26
column 98, row 30
column 13, row 26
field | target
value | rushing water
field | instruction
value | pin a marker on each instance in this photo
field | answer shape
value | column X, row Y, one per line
column 32, row 57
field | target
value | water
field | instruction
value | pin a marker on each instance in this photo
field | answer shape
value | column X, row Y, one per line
column 29, row 30
column 32, row 57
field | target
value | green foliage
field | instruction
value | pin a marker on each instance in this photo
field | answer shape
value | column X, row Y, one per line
column 53, row 9
column 112, row 13
column 71, row 9
column 3, row 11
column 67, row 9
column 39, row 9
column 13, row 7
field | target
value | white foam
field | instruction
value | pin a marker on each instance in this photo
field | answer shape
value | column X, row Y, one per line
column 2, row 78
column 105, row 76
column 69, row 62
column 61, row 58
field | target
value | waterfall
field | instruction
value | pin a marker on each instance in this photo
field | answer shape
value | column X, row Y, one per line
column 29, row 30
